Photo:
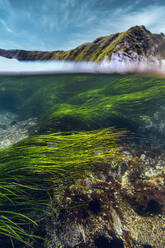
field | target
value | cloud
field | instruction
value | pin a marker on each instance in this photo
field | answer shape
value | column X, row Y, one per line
column 4, row 4
column 67, row 14
column 151, row 17
column 54, row 24
column 5, row 25
column 120, row 20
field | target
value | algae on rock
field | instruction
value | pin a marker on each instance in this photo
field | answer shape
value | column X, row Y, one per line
column 33, row 168
column 81, row 166
column 84, row 102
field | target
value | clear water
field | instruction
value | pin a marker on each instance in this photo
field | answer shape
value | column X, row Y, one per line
column 81, row 101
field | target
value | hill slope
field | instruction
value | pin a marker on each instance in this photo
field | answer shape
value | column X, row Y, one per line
column 137, row 43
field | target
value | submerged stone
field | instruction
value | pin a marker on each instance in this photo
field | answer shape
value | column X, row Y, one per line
column 13, row 130
column 102, row 242
column 116, row 243
column 153, row 207
column 147, row 246
column 95, row 206
column 101, row 192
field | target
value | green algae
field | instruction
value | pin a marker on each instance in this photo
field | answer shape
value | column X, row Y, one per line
column 83, row 102
column 32, row 168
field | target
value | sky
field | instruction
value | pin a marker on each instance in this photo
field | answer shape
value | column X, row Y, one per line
column 65, row 24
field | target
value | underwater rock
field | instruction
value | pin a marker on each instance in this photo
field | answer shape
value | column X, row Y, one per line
column 154, row 127
column 12, row 130
column 102, row 241
column 95, row 206
column 114, row 208
column 120, row 202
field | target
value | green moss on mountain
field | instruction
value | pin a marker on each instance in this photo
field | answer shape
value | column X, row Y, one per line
column 137, row 39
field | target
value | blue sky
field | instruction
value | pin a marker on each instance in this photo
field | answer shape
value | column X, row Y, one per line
column 65, row 24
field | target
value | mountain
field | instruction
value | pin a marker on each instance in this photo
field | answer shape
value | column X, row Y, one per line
column 137, row 44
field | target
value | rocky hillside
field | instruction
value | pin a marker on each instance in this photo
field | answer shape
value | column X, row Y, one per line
column 137, row 43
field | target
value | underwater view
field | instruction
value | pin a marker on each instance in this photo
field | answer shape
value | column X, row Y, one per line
column 82, row 160
column 82, row 124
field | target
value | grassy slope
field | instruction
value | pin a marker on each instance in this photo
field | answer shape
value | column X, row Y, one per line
column 137, row 39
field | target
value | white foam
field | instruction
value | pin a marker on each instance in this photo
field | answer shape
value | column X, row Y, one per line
column 117, row 64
